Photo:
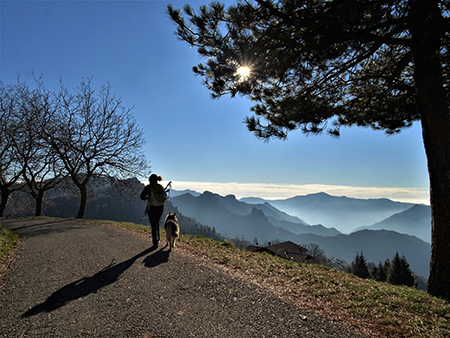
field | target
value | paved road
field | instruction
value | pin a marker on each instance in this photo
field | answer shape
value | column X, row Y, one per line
column 80, row 279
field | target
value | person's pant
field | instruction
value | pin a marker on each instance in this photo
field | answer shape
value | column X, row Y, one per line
column 154, row 215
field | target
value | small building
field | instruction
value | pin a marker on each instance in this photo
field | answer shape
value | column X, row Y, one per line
column 287, row 250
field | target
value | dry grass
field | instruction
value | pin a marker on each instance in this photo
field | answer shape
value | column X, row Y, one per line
column 373, row 307
column 7, row 241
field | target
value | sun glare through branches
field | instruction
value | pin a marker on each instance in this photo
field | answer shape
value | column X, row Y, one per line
column 243, row 72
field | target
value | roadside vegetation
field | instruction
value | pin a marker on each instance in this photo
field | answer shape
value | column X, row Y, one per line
column 367, row 304
column 7, row 241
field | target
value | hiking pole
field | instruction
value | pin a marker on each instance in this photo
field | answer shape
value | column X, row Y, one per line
column 169, row 185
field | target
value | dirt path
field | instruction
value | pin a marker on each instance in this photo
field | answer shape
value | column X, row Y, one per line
column 80, row 279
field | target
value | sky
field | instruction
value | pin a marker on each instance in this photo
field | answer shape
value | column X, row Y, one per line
column 195, row 141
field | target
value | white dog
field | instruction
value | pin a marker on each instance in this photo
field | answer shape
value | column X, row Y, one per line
column 172, row 229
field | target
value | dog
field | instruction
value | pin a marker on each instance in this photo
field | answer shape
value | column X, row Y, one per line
column 172, row 229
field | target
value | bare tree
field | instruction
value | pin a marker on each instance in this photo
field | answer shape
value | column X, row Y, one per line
column 41, row 168
column 317, row 253
column 10, row 168
column 94, row 135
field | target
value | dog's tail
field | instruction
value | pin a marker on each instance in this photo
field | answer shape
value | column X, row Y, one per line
column 173, row 228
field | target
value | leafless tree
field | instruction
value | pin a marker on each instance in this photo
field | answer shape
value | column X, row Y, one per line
column 41, row 168
column 317, row 254
column 10, row 168
column 94, row 135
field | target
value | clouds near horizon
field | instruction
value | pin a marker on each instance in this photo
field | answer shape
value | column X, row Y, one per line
column 271, row 191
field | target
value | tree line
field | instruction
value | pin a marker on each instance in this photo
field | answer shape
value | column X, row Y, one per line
column 396, row 271
column 50, row 138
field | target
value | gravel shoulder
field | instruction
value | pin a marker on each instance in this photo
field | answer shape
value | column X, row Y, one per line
column 73, row 278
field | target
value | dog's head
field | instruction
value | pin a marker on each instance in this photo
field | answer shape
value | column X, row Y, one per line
column 171, row 216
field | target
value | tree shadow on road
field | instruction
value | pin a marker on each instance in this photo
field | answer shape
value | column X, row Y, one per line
column 87, row 285
column 39, row 227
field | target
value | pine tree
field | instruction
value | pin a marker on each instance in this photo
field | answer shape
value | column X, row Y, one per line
column 379, row 272
column 359, row 266
column 382, row 273
column 400, row 272
column 318, row 66
column 374, row 273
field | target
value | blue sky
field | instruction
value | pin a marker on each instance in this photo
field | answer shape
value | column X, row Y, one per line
column 199, row 143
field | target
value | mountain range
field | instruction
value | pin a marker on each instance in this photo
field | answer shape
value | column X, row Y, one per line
column 351, row 214
column 342, row 213
column 258, row 220
column 414, row 221
column 262, row 221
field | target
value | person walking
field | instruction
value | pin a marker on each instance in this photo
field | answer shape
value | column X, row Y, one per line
column 155, row 195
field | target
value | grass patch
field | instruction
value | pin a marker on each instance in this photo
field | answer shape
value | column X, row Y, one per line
column 7, row 241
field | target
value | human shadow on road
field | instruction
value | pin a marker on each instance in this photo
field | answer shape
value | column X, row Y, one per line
column 85, row 286
column 157, row 258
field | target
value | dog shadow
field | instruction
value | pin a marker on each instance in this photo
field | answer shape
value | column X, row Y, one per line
column 87, row 285
column 159, row 257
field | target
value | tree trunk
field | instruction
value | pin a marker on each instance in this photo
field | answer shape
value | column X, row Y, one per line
column 39, row 202
column 4, row 202
column 425, row 22
column 83, row 201
column 437, row 148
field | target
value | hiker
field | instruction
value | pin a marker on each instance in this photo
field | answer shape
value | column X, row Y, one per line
column 156, row 196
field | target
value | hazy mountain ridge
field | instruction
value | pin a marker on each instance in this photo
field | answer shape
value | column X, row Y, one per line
column 377, row 245
column 174, row 193
column 343, row 213
column 414, row 221
column 229, row 217
column 224, row 213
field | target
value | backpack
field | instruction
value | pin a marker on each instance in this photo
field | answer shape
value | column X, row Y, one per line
column 158, row 195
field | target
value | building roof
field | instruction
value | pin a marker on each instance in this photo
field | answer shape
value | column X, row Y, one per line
column 288, row 250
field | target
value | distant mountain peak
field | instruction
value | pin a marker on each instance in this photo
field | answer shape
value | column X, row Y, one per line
column 209, row 194
column 257, row 212
column 231, row 197
column 413, row 221
column 320, row 194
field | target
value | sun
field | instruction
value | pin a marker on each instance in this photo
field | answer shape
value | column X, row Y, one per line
column 243, row 72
